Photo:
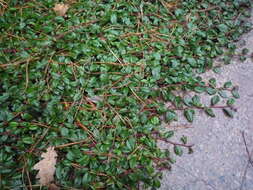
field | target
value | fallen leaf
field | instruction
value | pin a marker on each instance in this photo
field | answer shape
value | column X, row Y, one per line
column 60, row 9
column 46, row 166
column 171, row 5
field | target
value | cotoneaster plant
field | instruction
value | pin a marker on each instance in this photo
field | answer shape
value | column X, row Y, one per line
column 96, row 83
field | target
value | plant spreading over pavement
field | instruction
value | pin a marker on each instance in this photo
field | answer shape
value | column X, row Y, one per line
column 96, row 78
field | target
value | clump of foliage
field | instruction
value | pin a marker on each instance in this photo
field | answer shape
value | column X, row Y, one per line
column 95, row 84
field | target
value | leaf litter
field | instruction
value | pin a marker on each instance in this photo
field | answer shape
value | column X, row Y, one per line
column 61, row 9
column 46, row 166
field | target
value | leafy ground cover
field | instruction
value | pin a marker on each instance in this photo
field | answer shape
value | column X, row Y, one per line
column 97, row 79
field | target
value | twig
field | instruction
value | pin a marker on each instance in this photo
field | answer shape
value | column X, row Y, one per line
column 27, row 74
column 114, row 55
column 29, row 180
column 173, row 143
column 117, row 113
column 177, row 127
column 208, row 9
column 101, row 154
column 116, row 64
column 40, row 124
column 40, row 139
column 79, row 124
column 75, row 28
column 143, row 103
column 19, row 62
column 70, row 144
column 201, row 108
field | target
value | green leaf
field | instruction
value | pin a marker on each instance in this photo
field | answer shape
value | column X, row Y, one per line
column 156, row 71
column 243, row 58
column 199, row 89
column 223, row 28
column 209, row 112
column 212, row 82
column 189, row 114
column 184, row 139
column 171, row 116
column 228, row 84
column 214, row 100
column 211, row 91
column 223, row 94
column 190, row 150
column 86, row 178
column 130, row 143
column 113, row 18
column 169, row 134
column 33, row 127
column 235, row 92
column 99, row 185
column 133, row 162
column 13, row 124
column 187, row 101
column 24, row 54
column 27, row 140
column 157, row 183
column 217, row 70
column 196, row 101
column 155, row 120
column 192, row 62
column 178, row 150
column 64, row 131
column 228, row 112
column 27, row 116
column 230, row 101
column 245, row 51
column 4, row 97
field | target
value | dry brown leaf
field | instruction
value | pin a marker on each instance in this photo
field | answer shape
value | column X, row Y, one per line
column 46, row 166
column 171, row 5
column 60, row 9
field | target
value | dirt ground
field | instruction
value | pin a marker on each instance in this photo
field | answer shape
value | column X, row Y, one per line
column 220, row 160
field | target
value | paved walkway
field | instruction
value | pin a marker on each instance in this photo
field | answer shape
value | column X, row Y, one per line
column 220, row 161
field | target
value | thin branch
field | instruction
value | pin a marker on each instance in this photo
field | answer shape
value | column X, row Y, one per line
column 116, row 64
column 208, row 9
column 75, row 28
column 174, row 143
column 70, row 144
column 40, row 139
column 27, row 74
column 19, row 62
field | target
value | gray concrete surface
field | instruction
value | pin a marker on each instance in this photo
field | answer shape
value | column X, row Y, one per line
column 220, row 161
